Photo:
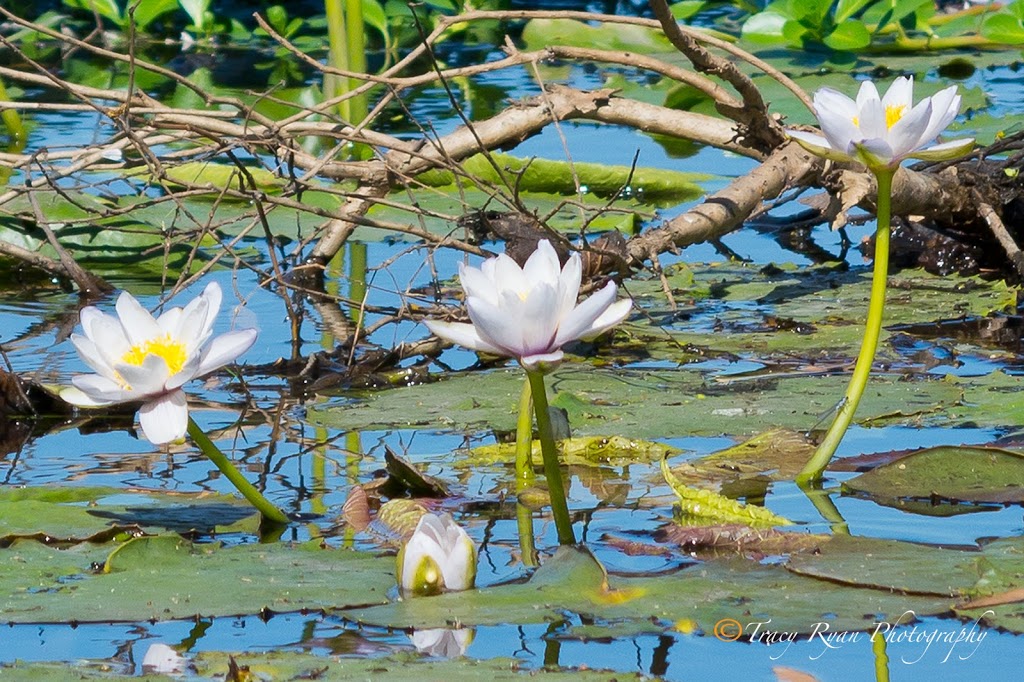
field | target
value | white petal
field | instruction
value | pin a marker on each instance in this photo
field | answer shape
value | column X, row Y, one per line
column 498, row 326
column 867, row 93
column 540, row 320
column 900, row 93
column 905, row 135
column 188, row 372
column 569, row 285
column 196, row 321
column 476, row 283
column 834, row 103
column 224, row 349
column 872, row 122
column 79, row 398
column 946, row 151
column 168, row 321
column 138, row 324
column 165, row 419
column 818, row 145
column 840, row 131
column 615, row 314
column 542, row 266
column 100, row 391
column 459, row 567
column 542, row 362
column 876, row 154
column 945, row 107
column 146, row 379
column 508, row 276
column 92, row 356
column 106, row 333
column 579, row 321
column 462, row 334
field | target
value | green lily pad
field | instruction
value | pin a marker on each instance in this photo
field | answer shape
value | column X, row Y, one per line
column 166, row 577
column 638, row 404
column 959, row 474
column 654, row 186
column 573, row 581
column 294, row 665
column 582, row 450
column 62, row 514
column 890, row 565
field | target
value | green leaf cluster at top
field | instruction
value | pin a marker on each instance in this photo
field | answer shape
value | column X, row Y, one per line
column 388, row 21
column 883, row 25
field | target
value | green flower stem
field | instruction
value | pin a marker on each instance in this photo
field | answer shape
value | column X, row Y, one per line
column 269, row 511
column 524, row 438
column 524, row 523
column 524, row 474
column 559, row 506
column 878, row 648
column 812, row 471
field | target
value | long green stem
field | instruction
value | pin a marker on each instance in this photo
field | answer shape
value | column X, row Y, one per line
column 812, row 471
column 525, row 475
column 337, row 54
column 524, row 437
column 552, row 472
column 269, row 511
column 878, row 648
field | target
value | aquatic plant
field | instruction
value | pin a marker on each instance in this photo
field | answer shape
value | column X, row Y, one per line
column 529, row 313
column 879, row 132
column 438, row 556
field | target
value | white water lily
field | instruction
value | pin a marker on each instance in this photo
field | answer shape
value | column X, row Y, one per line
column 439, row 556
column 882, row 132
column 529, row 313
column 139, row 358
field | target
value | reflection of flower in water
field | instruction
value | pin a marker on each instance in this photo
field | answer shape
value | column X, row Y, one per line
column 163, row 660
column 442, row 642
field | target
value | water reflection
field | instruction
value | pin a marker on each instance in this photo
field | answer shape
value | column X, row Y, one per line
column 442, row 642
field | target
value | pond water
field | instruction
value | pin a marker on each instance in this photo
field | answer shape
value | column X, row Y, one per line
column 308, row 465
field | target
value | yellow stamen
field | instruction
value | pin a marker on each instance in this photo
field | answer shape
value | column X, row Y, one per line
column 173, row 352
column 894, row 113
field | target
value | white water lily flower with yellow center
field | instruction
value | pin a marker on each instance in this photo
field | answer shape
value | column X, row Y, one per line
column 439, row 556
column 881, row 132
column 139, row 358
column 529, row 313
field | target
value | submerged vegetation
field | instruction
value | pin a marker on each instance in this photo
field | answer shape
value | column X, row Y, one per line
column 328, row 169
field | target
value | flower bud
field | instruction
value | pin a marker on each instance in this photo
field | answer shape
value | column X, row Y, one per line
column 439, row 556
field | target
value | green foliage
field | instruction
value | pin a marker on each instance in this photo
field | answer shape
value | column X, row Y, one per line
column 957, row 474
column 707, row 506
column 144, row 14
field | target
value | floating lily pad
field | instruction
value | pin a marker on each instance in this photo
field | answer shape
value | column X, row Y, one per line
column 573, row 581
column 901, row 567
column 64, row 514
column 293, row 665
column 959, row 474
column 167, row 577
column 640, row 404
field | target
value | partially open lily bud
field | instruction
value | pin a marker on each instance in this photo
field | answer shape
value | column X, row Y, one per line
column 439, row 556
